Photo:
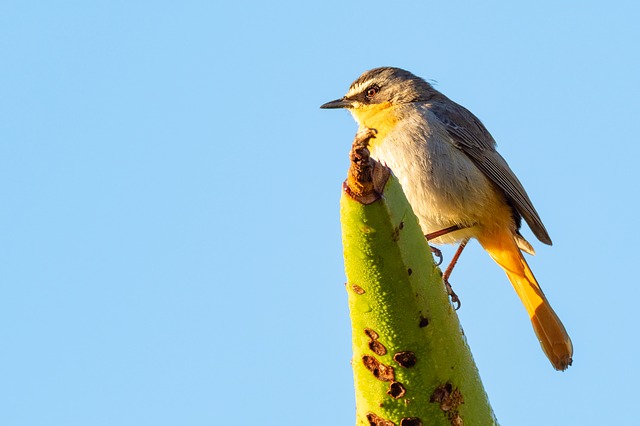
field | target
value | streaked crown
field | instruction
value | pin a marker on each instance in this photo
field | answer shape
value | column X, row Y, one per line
column 388, row 84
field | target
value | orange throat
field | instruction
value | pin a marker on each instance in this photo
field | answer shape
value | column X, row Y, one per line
column 380, row 117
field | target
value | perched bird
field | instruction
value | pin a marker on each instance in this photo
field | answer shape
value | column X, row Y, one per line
column 456, row 182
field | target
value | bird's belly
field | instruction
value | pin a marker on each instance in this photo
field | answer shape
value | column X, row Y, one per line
column 443, row 186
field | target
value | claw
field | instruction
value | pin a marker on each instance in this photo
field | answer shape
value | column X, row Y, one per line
column 437, row 253
column 454, row 297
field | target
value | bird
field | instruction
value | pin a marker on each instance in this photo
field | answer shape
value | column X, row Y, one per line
column 456, row 182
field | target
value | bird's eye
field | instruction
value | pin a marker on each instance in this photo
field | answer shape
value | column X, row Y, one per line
column 372, row 91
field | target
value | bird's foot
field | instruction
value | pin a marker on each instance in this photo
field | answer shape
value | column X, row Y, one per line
column 437, row 253
column 452, row 294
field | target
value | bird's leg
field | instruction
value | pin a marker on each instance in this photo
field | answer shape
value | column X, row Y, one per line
column 437, row 234
column 447, row 273
column 440, row 233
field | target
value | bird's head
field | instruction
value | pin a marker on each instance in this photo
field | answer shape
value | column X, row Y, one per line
column 380, row 89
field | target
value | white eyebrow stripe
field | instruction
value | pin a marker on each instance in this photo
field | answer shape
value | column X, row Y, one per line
column 353, row 90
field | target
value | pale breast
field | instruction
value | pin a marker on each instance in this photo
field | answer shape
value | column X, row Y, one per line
column 443, row 186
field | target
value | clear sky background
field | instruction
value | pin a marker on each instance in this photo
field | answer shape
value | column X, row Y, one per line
column 170, row 249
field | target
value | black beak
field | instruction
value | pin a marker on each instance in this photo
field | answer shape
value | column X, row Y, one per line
column 338, row 103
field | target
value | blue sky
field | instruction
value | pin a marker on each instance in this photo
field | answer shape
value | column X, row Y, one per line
column 170, row 245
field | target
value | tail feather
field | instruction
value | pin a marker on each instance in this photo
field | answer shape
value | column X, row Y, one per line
column 552, row 335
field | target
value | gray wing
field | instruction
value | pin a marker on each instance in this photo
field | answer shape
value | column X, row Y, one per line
column 474, row 139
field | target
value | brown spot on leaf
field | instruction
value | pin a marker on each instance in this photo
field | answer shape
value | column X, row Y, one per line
column 424, row 321
column 450, row 399
column 380, row 371
column 406, row 359
column 371, row 334
column 409, row 271
column 410, row 421
column 396, row 390
column 357, row 289
column 375, row 420
column 395, row 236
column 377, row 347
column 456, row 420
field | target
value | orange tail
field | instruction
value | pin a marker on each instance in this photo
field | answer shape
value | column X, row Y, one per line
column 553, row 338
